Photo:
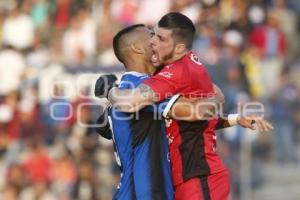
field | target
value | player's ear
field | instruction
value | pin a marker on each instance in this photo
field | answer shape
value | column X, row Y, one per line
column 180, row 48
column 136, row 48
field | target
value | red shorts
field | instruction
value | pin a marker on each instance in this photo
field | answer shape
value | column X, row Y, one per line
column 211, row 187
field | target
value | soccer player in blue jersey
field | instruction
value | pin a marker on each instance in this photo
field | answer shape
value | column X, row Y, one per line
column 139, row 141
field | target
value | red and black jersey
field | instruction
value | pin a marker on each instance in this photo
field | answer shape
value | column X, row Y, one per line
column 192, row 144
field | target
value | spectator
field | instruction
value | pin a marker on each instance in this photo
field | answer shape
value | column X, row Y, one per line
column 39, row 190
column 15, row 176
column 79, row 40
column 85, row 186
column 56, row 115
column 37, row 166
column 64, row 175
column 282, row 104
column 39, row 12
column 18, row 29
column 12, row 68
column 269, row 39
column 9, row 192
column 62, row 14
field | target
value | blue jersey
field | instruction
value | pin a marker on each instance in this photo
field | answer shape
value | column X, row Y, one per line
column 141, row 150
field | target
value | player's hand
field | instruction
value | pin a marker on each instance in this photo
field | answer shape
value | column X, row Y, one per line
column 103, row 127
column 104, row 84
column 219, row 94
column 249, row 122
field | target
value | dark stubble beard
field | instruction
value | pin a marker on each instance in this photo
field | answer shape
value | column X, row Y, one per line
column 167, row 57
column 163, row 63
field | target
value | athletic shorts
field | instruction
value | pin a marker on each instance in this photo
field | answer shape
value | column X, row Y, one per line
column 211, row 187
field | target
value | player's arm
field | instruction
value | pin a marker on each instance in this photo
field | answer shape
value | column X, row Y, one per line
column 203, row 109
column 246, row 122
column 132, row 100
column 103, row 126
column 192, row 110
column 195, row 109
column 166, row 83
column 126, row 100
column 180, row 108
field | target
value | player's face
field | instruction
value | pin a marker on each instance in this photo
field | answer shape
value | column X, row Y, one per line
column 146, row 35
column 163, row 46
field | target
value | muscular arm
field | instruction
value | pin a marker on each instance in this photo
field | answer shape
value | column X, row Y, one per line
column 132, row 100
column 206, row 111
column 193, row 110
column 197, row 109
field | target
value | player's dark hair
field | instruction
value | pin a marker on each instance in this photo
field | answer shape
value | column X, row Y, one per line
column 182, row 27
column 117, row 44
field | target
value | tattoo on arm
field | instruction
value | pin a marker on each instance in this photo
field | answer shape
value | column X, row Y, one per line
column 147, row 92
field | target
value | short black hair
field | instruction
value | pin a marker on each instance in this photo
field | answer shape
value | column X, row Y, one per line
column 117, row 44
column 182, row 27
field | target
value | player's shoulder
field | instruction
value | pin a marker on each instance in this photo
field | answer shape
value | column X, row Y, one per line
column 132, row 79
column 178, row 68
column 135, row 75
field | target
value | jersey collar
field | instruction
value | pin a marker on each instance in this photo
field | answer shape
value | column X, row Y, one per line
column 135, row 73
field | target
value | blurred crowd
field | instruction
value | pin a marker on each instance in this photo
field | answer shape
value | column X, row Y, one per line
column 48, row 145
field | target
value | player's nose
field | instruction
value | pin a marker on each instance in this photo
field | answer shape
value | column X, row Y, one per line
column 153, row 41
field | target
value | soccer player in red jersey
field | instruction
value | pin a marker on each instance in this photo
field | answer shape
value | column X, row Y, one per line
column 198, row 172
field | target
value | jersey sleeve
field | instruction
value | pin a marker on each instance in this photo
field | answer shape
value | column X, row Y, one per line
column 168, row 82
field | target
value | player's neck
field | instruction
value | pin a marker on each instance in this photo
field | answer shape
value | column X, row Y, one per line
column 138, row 65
